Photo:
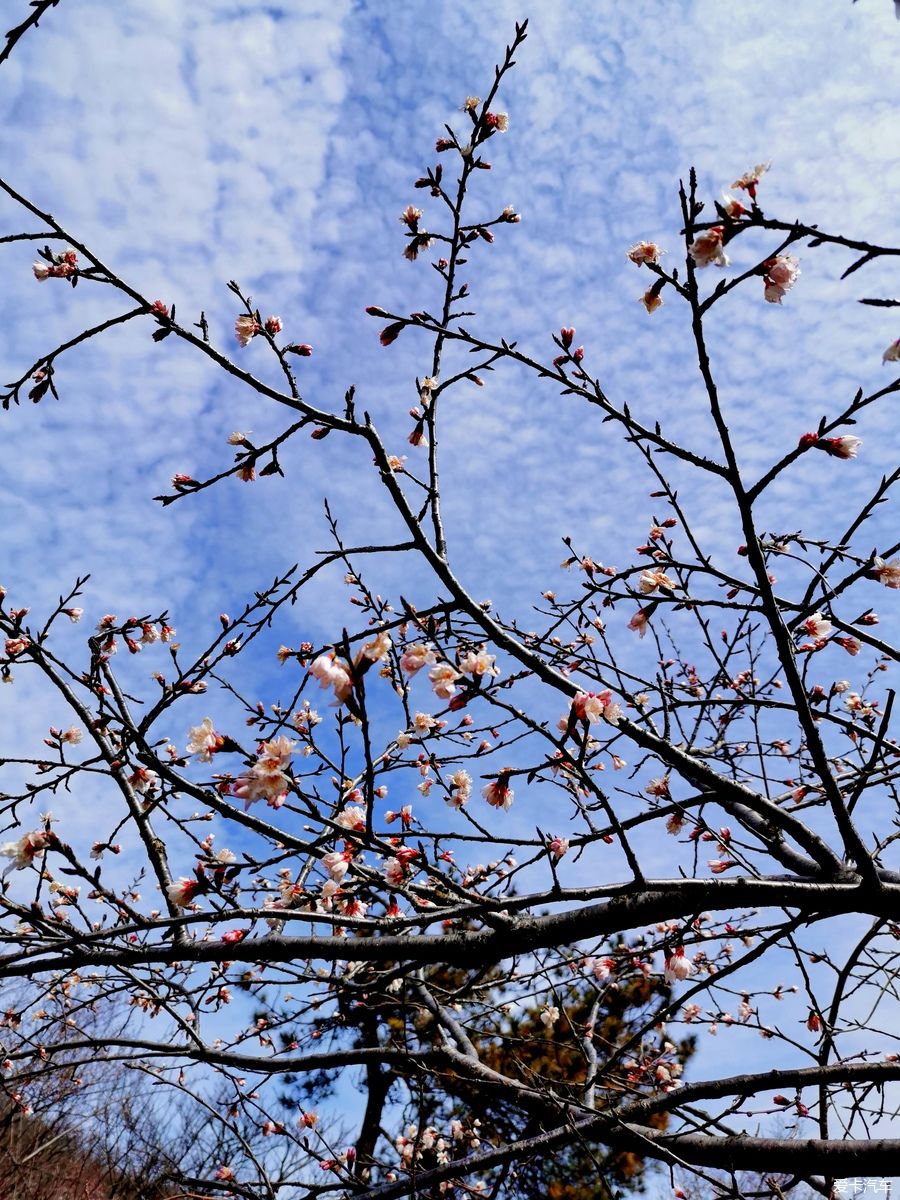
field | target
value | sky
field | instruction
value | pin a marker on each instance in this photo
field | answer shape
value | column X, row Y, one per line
column 276, row 144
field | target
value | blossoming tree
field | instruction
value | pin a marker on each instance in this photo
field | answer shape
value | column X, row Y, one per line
column 322, row 901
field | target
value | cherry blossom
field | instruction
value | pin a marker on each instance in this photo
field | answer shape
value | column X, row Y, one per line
column 558, row 847
column 817, row 626
column 352, row 818
column 267, row 779
column 678, row 966
column 706, row 248
column 639, row 622
column 498, row 793
column 379, row 648
column 780, row 274
column 844, row 446
column 443, row 681
column 415, row 657
column 651, row 299
column 718, row 865
column 203, row 741
column 182, row 891
column 333, row 672
column 461, row 783
column 245, row 329
column 732, row 207
column 851, row 644
column 653, row 578
column 478, row 663
column 645, row 252
column 596, row 706
column 749, row 180
column 27, row 848
column 887, row 573
column 892, row 354
column 62, row 266
column 337, row 863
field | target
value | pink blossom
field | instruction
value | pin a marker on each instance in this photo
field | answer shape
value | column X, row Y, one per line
column 62, row 267
column 645, row 252
column 273, row 325
column 378, row 648
column 461, row 783
column 415, row 657
column 498, row 793
column 337, row 863
column 653, row 578
column 17, row 645
column 394, row 872
column 498, row 121
column 333, row 672
column 817, row 626
column 245, row 329
column 892, row 354
column 658, row 787
column 27, row 848
column 844, row 446
column 706, row 248
column 181, row 893
column 851, row 644
column 203, row 741
column 558, row 847
column 718, row 865
column 781, row 272
column 678, row 966
column 639, row 622
column 267, row 778
column 732, row 206
column 596, row 706
column 602, row 968
column 478, row 663
column 887, row 574
column 749, row 180
column 352, row 818
column 443, row 681
column 651, row 299
column 675, row 823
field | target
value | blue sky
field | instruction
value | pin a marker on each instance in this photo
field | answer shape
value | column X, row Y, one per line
column 276, row 144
